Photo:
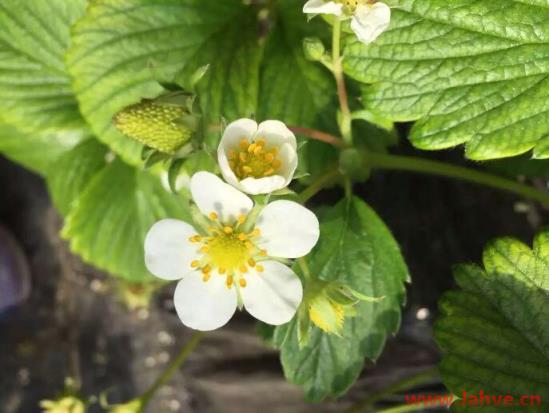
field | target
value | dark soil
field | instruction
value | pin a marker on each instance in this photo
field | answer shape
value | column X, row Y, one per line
column 74, row 324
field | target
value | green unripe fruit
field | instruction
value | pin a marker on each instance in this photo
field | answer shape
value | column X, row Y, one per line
column 156, row 125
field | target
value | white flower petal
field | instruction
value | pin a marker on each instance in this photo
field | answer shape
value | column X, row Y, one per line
column 288, row 229
column 323, row 7
column 276, row 133
column 288, row 157
column 225, row 168
column 203, row 305
column 168, row 252
column 236, row 131
column 369, row 21
column 274, row 295
column 265, row 185
column 211, row 194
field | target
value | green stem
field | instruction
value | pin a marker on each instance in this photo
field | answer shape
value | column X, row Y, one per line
column 406, row 163
column 320, row 183
column 304, row 268
column 172, row 368
column 407, row 383
column 337, row 70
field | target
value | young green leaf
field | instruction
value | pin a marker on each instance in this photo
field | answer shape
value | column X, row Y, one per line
column 358, row 250
column 473, row 72
column 495, row 330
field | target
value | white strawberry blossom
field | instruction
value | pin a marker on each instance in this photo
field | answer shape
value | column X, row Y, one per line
column 232, row 259
column 368, row 18
column 257, row 159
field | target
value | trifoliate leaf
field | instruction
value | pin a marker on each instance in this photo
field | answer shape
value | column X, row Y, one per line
column 471, row 71
column 357, row 250
column 495, row 330
column 122, row 49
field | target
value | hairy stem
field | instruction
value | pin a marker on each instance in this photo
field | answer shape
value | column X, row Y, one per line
column 426, row 166
column 337, row 70
column 318, row 135
column 320, row 183
column 172, row 368
column 404, row 384
column 407, row 163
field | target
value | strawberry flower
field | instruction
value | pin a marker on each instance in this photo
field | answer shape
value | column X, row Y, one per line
column 368, row 18
column 257, row 159
column 233, row 257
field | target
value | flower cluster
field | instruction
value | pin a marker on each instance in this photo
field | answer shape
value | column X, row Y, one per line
column 368, row 18
column 235, row 253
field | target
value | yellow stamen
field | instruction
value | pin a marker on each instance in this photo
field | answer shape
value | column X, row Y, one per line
column 260, row 142
column 221, row 271
column 269, row 157
column 204, row 249
column 268, row 172
column 207, row 269
column 228, row 230
column 243, row 156
column 213, row 216
column 243, row 144
column 242, row 236
column 276, row 164
column 249, row 245
column 259, row 268
column 251, row 262
column 263, row 253
column 231, row 154
column 206, row 276
column 230, row 281
column 255, row 233
column 242, row 282
column 246, row 169
column 258, row 150
column 195, row 264
column 243, row 268
column 241, row 219
column 252, row 147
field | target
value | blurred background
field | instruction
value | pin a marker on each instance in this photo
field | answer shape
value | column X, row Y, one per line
column 61, row 318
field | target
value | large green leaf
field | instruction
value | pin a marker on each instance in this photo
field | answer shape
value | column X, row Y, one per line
column 355, row 248
column 109, row 208
column 38, row 150
column 35, row 92
column 121, row 48
column 495, row 330
column 73, row 172
column 472, row 71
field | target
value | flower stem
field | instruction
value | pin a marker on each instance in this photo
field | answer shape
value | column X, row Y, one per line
column 320, row 183
column 172, row 368
column 404, row 384
column 426, row 166
column 337, row 70
column 318, row 135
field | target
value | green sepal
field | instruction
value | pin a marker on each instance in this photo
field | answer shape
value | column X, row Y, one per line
column 173, row 173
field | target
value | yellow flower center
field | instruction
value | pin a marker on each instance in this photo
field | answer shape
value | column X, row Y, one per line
column 228, row 250
column 351, row 5
column 254, row 159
